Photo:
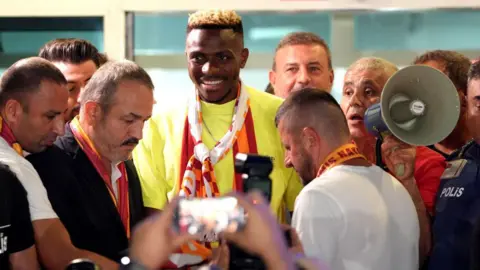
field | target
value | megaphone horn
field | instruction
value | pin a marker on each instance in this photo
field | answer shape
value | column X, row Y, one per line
column 419, row 105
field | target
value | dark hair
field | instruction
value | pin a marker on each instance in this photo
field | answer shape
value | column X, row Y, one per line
column 269, row 89
column 303, row 38
column 474, row 72
column 70, row 50
column 456, row 65
column 104, row 83
column 25, row 76
column 215, row 19
column 313, row 107
column 102, row 58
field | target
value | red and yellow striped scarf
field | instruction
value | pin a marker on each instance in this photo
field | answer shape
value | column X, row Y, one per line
column 87, row 146
column 244, row 142
column 340, row 155
column 7, row 134
column 197, row 177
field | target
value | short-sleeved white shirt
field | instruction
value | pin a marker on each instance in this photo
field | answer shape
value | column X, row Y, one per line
column 40, row 207
column 358, row 218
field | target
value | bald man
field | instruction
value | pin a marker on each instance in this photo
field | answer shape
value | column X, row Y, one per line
column 356, row 198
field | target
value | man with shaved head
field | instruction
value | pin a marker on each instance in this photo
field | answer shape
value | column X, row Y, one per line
column 363, row 85
column 356, row 197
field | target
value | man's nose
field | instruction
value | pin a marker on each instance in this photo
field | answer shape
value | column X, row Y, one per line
column 59, row 126
column 136, row 131
column 303, row 76
column 209, row 68
column 356, row 100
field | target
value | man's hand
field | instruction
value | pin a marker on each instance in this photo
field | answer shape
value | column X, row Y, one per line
column 399, row 158
column 262, row 234
column 154, row 239
column 221, row 256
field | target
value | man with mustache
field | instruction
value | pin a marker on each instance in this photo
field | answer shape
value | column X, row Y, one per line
column 77, row 59
column 191, row 148
column 91, row 183
column 363, row 85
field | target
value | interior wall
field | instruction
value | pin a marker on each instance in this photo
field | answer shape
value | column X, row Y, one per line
column 172, row 82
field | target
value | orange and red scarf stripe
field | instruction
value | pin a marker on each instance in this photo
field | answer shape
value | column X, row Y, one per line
column 338, row 156
column 122, row 204
column 7, row 134
column 245, row 143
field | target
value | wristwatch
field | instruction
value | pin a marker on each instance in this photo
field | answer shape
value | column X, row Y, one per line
column 127, row 263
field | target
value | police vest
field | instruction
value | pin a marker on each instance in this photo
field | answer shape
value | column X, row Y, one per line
column 456, row 211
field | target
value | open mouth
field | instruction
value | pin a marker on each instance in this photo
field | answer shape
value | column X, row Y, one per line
column 356, row 117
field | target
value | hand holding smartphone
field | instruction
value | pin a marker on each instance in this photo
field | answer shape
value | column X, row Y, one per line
column 208, row 217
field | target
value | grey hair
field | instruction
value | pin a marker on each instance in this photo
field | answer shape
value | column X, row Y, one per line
column 374, row 63
column 104, row 83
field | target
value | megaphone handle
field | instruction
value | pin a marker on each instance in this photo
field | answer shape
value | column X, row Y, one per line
column 378, row 154
column 399, row 168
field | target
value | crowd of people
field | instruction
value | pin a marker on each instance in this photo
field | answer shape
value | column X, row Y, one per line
column 89, row 170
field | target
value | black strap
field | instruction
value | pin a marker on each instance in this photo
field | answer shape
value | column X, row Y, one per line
column 460, row 153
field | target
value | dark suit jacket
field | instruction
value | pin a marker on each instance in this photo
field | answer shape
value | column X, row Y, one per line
column 81, row 199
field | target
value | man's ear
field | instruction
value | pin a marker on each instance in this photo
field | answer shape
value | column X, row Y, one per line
column 332, row 78
column 310, row 137
column 463, row 99
column 12, row 111
column 244, row 57
column 272, row 77
column 92, row 112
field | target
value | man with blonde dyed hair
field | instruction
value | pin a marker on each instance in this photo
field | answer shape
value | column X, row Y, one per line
column 363, row 85
column 222, row 117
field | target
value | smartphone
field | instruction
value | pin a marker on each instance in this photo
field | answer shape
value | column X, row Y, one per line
column 209, row 215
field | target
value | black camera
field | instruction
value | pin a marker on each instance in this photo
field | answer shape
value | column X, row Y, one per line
column 255, row 170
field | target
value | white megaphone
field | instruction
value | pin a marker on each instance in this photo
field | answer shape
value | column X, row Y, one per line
column 419, row 105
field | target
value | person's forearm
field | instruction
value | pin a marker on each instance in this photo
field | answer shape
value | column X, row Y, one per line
column 423, row 219
column 278, row 258
column 56, row 250
column 24, row 260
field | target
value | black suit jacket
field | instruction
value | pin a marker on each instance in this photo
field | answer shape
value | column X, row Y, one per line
column 81, row 199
